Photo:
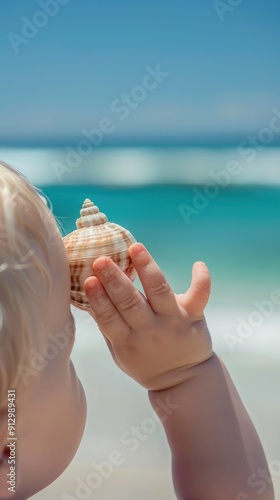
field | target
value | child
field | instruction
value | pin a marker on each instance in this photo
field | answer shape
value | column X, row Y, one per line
column 160, row 340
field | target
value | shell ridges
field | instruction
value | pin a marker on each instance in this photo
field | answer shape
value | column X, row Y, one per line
column 90, row 215
column 95, row 236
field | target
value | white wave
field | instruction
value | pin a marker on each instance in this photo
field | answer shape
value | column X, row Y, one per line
column 143, row 166
column 263, row 340
column 229, row 338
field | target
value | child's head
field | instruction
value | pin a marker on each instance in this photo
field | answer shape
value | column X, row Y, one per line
column 36, row 338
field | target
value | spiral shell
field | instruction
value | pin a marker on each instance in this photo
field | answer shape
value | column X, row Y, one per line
column 95, row 236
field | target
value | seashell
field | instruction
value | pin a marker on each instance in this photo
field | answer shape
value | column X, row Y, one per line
column 95, row 236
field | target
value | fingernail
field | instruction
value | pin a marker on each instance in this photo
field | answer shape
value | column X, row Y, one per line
column 201, row 266
column 137, row 248
column 91, row 283
column 102, row 264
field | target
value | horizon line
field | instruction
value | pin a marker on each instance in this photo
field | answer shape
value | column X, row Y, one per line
column 153, row 142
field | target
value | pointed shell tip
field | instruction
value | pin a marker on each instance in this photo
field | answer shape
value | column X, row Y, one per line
column 88, row 202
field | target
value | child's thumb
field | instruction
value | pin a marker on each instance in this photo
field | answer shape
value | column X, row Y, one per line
column 196, row 298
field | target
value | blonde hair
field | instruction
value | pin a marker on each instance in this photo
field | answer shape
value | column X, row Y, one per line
column 26, row 229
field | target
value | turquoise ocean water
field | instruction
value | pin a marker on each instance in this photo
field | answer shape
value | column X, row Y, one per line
column 237, row 234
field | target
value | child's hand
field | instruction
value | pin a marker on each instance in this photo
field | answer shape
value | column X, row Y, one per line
column 157, row 340
column 154, row 339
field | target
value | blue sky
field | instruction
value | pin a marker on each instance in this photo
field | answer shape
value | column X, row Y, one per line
column 223, row 81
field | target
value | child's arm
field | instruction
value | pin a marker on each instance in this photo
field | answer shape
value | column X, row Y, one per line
column 162, row 341
column 217, row 454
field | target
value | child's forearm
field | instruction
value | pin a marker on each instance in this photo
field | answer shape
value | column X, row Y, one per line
column 216, row 452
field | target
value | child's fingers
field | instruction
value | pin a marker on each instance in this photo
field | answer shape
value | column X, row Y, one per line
column 127, row 300
column 158, row 291
column 196, row 298
column 110, row 322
